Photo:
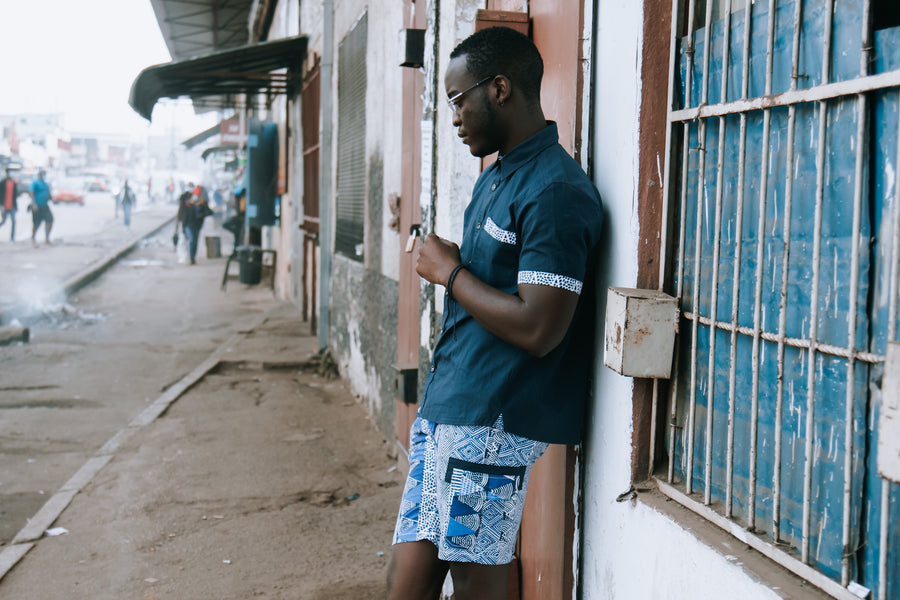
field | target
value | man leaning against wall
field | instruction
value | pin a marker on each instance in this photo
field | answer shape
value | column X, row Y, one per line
column 510, row 369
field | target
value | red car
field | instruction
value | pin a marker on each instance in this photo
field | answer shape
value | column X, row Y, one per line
column 68, row 191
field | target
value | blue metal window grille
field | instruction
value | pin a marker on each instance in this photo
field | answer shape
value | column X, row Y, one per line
column 784, row 149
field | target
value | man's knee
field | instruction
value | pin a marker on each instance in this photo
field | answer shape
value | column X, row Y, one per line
column 471, row 581
column 415, row 571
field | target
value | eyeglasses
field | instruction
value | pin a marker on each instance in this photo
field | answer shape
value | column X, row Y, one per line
column 453, row 100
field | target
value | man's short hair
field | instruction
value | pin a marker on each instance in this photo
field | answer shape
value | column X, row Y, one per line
column 503, row 51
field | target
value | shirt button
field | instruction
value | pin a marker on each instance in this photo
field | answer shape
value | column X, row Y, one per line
column 477, row 225
column 493, row 187
column 432, row 368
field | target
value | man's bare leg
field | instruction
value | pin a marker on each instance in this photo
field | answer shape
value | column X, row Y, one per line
column 472, row 581
column 415, row 572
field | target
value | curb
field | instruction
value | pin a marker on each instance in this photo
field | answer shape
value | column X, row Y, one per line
column 78, row 281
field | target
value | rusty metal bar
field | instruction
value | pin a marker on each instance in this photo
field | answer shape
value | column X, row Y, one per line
column 760, row 256
column 785, row 270
column 666, row 180
column 862, row 118
column 673, row 417
column 850, row 87
column 892, row 335
column 809, row 446
column 867, row 357
column 684, row 190
column 736, row 268
column 711, row 380
column 698, row 246
column 736, row 274
column 851, row 342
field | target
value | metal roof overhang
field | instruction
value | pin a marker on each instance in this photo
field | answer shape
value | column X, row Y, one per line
column 219, row 150
column 202, row 136
column 194, row 28
column 267, row 67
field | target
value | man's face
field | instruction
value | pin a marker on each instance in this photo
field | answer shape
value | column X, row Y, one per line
column 474, row 115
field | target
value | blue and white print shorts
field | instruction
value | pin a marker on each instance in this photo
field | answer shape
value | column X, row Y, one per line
column 465, row 490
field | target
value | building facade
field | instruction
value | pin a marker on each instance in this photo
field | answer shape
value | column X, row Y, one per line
column 747, row 155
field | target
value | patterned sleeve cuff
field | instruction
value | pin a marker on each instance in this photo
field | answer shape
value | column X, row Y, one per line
column 551, row 279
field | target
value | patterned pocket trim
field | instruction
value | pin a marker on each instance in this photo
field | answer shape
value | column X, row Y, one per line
column 501, row 235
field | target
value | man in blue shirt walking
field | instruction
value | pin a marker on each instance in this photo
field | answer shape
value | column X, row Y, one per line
column 40, row 208
column 509, row 373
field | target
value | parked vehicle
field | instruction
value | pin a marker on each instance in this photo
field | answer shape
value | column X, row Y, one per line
column 98, row 184
column 68, row 190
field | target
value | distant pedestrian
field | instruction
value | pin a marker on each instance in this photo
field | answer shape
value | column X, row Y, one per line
column 8, row 205
column 126, row 197
column 40, row 207
column 235, row 223
column 179, row 241
column 192, row 217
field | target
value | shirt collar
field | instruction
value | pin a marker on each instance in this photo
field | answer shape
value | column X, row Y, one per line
column 524, row 152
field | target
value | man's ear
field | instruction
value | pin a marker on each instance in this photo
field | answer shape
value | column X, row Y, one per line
column 502, row 89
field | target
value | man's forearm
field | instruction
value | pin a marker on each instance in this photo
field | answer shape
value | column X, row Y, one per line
column 535, row 320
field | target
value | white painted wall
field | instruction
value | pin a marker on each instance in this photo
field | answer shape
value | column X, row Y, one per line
column 631, row 550
column 457, row 168
column 384, row 119
column 383, row 99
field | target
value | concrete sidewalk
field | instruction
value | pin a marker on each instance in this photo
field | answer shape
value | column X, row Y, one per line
column 254, row 476
column 33, row 276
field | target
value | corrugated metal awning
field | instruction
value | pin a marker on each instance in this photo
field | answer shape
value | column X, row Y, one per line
column 219, row 150
column 267, row 67
column 202, row 136
column 199, row 27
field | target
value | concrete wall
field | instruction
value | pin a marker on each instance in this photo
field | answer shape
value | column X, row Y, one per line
column 364, row 294
column 630, row 549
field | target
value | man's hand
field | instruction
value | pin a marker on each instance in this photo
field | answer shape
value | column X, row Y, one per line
column 436, row 259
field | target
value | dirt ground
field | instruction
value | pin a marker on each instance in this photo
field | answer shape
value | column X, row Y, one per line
column 264, row 479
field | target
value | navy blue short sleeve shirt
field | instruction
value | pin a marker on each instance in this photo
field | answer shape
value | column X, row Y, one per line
column 535, row 218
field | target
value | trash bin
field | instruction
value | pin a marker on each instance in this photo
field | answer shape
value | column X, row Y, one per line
column 250, row 272
column 213, row 246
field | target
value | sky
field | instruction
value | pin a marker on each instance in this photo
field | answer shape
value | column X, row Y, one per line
column 79, row 58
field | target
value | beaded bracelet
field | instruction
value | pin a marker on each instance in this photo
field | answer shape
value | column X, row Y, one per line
column 450, row 279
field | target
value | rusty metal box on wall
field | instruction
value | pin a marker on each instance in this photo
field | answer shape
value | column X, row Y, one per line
column 640, row 332
column 502, row 18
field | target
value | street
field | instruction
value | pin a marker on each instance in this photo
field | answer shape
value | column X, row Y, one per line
column 69, row 220
column 240, row 488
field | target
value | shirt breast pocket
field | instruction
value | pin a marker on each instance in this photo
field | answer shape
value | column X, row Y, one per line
column 500, row 252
